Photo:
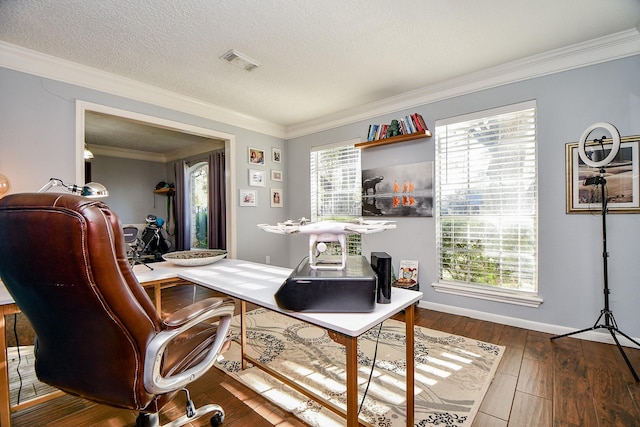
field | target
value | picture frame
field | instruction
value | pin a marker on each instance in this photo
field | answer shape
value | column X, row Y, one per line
column 257, row 178
column 276, row 155
column 277, row 198
column 407, row 273
column 276, row 175
column 256, row 156
column 398, row 191
column 248, row 198
column 621, row 175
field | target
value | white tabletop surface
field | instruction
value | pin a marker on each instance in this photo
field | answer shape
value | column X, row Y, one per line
column 5, row 297
column 258, row 283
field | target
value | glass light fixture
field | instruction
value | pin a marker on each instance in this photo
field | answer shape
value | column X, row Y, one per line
column 4, row 185
column 87, row 153
column 90, row 189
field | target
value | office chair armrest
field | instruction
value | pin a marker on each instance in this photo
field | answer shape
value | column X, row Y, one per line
column 189, row 312
column 178, row 323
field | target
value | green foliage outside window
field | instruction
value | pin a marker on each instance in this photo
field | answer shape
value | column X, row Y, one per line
column 201, row 241
column 467, row 255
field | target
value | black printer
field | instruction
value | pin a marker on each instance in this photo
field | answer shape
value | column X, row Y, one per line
column 352, row 290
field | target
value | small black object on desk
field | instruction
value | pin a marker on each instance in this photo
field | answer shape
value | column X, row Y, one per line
column 381, row 264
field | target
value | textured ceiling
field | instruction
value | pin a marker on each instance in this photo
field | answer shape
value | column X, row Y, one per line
column 316, row 57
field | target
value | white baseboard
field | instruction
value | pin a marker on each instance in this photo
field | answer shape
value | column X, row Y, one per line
column 597, row 336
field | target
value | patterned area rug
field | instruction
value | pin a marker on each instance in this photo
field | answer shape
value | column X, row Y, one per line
column 452, row 373
column 23, row 383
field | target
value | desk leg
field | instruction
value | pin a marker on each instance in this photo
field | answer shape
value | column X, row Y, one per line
column 5, row 404
column 351, row 345
column 409, row 322
column 243, row 333
column 157, row 294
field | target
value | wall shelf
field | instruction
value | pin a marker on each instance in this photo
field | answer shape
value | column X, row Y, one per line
column 394, row 139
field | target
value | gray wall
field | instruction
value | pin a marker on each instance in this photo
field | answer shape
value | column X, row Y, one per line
column 570, row 251
column 37, row 142
column 131, row 184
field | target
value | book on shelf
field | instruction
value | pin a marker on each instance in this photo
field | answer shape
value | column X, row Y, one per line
column 383, row 131
column 404, row 127
column 416, row 122
column 411, row 123
column 421, row 122
column 372, row 132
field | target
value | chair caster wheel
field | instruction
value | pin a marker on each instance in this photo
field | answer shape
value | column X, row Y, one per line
column 217, row 419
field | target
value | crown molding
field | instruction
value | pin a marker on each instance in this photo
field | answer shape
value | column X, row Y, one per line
column 125, row 153
column 603, row 49
column 31, row 62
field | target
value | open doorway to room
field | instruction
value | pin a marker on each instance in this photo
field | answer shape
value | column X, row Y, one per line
column 133, row 142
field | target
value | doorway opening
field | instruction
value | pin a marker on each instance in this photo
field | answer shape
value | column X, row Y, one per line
column 134, row 147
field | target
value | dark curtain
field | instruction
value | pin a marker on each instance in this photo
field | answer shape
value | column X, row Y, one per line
column 180, row 209
column 217, row 201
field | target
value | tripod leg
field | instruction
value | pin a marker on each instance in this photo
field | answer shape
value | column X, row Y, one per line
column 628, row 337
column 595, row 326
column 574, row 333
column 624, row 355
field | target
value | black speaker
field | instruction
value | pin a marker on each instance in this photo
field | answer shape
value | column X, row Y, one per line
column 381, row 264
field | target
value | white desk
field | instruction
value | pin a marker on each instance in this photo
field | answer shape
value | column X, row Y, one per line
column 257, row 284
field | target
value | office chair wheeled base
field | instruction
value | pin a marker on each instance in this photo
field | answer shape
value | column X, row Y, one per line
column 192, row 413
column 152, row 420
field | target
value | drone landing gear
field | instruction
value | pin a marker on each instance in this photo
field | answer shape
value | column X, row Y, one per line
column 318, row 245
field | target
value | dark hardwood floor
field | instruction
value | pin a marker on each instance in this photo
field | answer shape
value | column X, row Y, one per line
column 539, row 383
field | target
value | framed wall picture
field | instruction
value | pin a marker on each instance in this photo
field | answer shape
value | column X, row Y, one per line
column 276, row 198
column 257, row 178
column 403, row 190
column 276, row 155
column 621, row 176
column 276, row 175
column 256, row 156
column 248, row 198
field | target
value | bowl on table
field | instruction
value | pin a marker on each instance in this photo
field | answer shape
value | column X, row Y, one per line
column 196, row 257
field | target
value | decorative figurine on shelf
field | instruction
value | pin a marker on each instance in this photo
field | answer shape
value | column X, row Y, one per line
column 394, row 129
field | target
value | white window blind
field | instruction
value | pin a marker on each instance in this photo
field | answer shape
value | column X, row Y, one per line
column 486, row 198
column 336, row 182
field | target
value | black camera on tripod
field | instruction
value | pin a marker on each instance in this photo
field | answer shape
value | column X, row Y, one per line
column 593, row 180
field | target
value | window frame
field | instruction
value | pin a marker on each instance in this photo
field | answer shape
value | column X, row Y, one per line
column 354, row 241
column 192, row 169
column 465, row 288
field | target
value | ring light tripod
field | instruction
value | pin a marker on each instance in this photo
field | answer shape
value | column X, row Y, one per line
column 606, row 313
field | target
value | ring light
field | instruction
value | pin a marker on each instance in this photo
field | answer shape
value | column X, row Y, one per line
column 615, row 135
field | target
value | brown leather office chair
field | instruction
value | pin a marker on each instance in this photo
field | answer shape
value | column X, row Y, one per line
column 63, row 259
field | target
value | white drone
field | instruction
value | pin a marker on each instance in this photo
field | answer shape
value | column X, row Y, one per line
column 323, row 232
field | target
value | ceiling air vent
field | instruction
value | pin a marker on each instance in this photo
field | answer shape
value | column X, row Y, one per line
column 240, row 60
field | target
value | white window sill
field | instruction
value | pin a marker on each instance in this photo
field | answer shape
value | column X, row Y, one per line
column 505, row 296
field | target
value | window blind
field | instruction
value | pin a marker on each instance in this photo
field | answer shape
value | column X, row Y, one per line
column 486, row 198
column 336, row 186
